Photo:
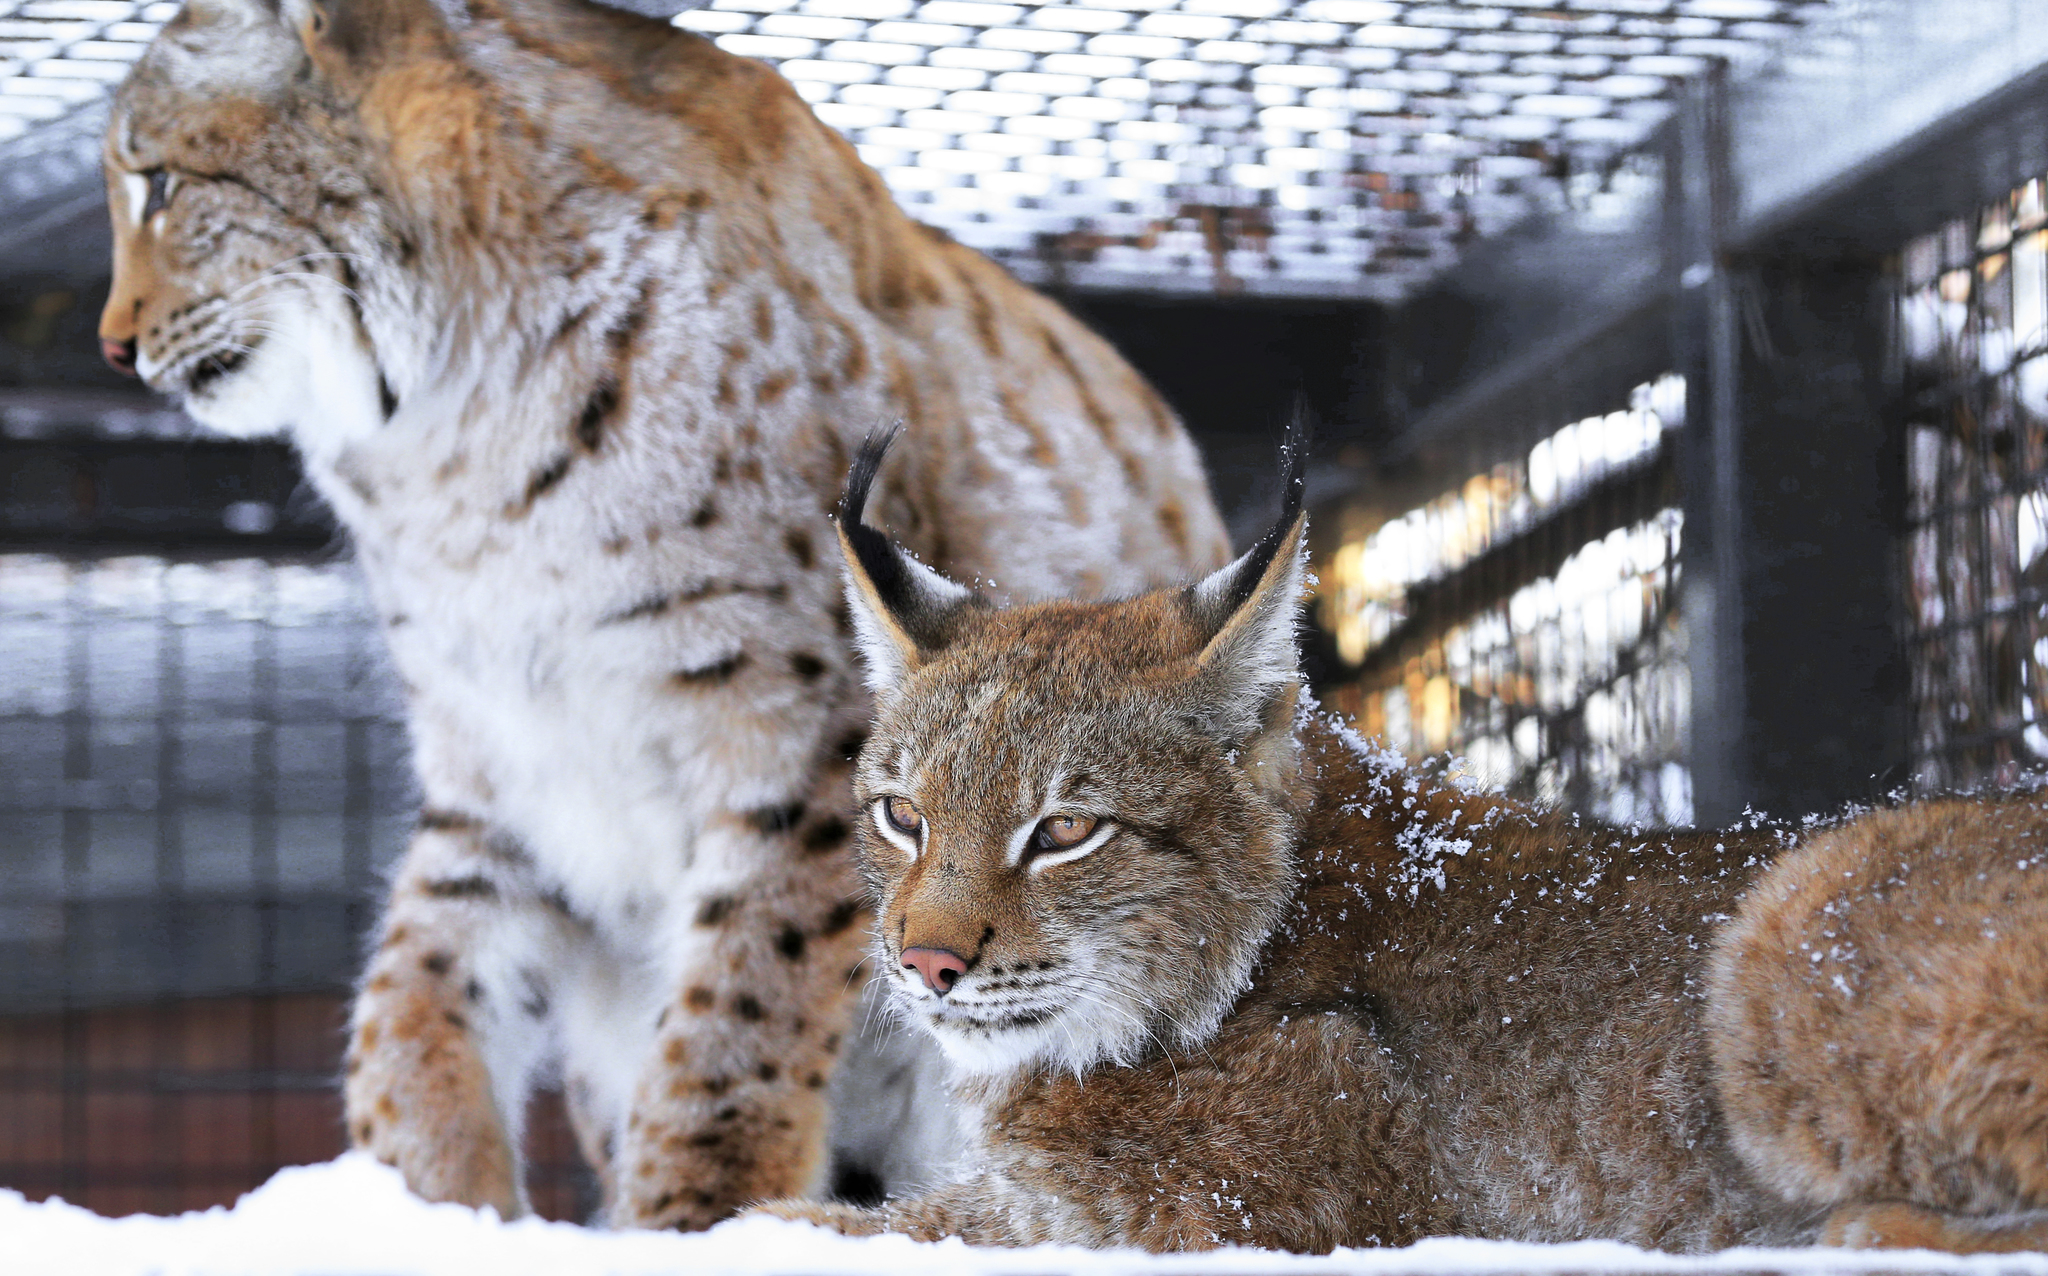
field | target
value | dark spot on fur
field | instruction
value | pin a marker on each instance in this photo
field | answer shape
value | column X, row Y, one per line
column 661, row 604
column 713, row 675
column 806, row 666
column 849, row 748
column 700, row 998
column 434, row 821
column 717, row 1085
column 826, row 834
column 387, row 400
column 830, row 1044
column 437, row 963
column 474, row 886
column 747, row 1007
column 538, row 486
column 535, row 1003
column 768, row 1072
column 710, row 1139
column 454, row 1020
column 706, row 515
column 473, row 990
column 622, row 338
column 715, row 910
column 839, row 918
column 790, row 943
column 815, row 1081
column 597, row 411
column 798, row 542
column 770, row 820
column 364, row 1131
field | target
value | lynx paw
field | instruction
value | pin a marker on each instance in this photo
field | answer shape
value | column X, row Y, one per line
column 848, row 1220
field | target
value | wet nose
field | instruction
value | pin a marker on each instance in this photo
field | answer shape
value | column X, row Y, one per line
column 937, row 967
column 120, row 355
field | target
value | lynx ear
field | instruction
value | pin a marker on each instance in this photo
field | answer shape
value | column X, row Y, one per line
column 903, row 611
column 1249, row 610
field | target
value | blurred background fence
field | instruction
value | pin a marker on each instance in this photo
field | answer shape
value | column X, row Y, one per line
column 1679, row 370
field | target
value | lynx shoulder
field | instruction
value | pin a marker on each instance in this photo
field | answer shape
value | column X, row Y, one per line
column 575, row 319
column 1211, row 969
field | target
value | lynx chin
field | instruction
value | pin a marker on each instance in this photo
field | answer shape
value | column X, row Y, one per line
column 1211, row 969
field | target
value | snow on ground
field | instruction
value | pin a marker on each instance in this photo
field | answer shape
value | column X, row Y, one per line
column 353, row 1217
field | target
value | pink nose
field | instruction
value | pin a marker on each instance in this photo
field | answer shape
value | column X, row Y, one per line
column 120, row 355
column 937, row 967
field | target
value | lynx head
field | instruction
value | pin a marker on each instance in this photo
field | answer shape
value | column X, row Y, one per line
column 1076, row 819
column 245, row 188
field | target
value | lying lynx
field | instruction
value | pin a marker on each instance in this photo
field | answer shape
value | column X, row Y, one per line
column 575, row 319
column 1211, row 969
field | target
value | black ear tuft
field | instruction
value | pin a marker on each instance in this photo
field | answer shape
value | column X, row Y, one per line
column 902, row 610
column 1248, row 668
column 860, row 476
column 881, row 561
column 1251, row 568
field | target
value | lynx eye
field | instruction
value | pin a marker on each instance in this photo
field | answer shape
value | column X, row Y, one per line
column 901, row 815
column 158, row 193
column 1058, row 832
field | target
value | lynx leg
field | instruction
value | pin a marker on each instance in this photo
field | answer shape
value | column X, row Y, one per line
column 1897, row 1225
column 730, row 1106
column 452, row 1019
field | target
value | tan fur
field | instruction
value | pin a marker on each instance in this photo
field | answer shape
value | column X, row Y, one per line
column 575, row 319
column 1466, row 1015
column 1880, row 1012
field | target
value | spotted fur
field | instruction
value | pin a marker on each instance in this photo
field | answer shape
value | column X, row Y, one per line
column 575, row 320
column 1292, row 992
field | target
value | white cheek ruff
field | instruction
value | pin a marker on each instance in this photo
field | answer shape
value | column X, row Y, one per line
column 878, row 810
column 135, row 190
column 1043, row 860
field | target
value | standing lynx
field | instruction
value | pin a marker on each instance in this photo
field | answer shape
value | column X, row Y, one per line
column 571, row 316
column 1211, row 969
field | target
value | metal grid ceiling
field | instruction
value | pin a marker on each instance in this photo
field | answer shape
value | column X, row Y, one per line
column 1332, row 147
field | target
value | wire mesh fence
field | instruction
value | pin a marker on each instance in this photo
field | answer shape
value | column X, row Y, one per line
column 1527, row 620
column 206, row 772
column 1972, row 345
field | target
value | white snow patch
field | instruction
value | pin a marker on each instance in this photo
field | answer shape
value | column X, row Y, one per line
column 353, row 1217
